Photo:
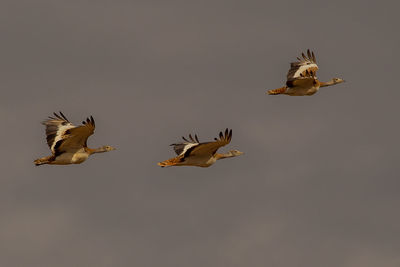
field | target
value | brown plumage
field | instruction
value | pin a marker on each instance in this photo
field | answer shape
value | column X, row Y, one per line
column 301, row 78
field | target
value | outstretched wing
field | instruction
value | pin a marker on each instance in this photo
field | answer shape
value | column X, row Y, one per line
column 306, row 67
column 181, row 148
column 55, row 129
column 62, row 135
column 76, row 137
column 210, row 148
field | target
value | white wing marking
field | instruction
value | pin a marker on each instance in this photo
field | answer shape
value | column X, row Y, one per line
column 303, row 68
column 60, row 133
column 189, row 145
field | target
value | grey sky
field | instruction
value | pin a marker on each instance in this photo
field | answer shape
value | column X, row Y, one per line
column 318, row 184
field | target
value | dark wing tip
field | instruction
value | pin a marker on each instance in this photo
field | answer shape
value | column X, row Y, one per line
column 59, row 116
column 191, row 138
column 62, row 115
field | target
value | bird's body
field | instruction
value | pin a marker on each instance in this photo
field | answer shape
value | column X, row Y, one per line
column 302, row 79
column 196, row 160
column 71, row 157
column 67, row 142
column 307, row 87
column 194, row 153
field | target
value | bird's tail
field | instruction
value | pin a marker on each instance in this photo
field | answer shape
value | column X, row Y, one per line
column 45, row 160
column 277, row 91
column 169, row 162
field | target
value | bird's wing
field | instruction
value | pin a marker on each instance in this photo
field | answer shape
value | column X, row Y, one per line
column 76, row 138
column 181, row 148
column 304, row 68
column 210, row 148
column 56, row 128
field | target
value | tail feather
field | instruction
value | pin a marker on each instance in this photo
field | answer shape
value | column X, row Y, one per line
column 169, row 162
column 278, row 91
column 45, row 160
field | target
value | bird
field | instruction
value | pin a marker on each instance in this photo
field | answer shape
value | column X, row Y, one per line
column 67, row 142
column 193, row 153
column 301, row 78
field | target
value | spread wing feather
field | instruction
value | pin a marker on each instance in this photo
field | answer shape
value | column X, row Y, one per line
column 304, row 68
column 181, row 148
column 192, row 146
column 210, row 148
column 55, row 129
column 77, row 137
column 62, row 135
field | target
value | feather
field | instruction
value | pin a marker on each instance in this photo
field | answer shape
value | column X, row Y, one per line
column 305, row 67
column 210, row 148
column 62, row 115
column 61, row 135
column 309, row 54
column 181, row 148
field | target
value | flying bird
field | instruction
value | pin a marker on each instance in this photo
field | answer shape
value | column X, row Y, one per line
column 301, row 78
column 67, row 142
column 193, row 153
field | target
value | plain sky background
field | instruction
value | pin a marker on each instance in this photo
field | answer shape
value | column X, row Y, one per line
column 318, row 184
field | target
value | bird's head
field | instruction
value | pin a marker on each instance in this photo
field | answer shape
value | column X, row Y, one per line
column 108, row 148
column 337, row 80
